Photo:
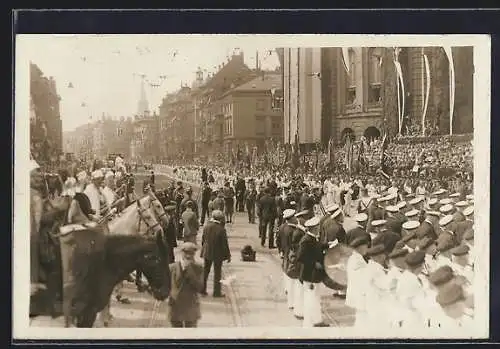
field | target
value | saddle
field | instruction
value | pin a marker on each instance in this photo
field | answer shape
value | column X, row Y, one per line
column 248, row 254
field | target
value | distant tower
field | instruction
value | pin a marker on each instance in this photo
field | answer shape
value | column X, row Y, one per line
column 143, row 106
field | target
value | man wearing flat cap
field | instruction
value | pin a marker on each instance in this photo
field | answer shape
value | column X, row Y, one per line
column 214, row 250
column 187, row 282
column 411, row 292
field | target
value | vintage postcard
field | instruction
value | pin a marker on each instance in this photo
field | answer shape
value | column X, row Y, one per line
column 251, row 186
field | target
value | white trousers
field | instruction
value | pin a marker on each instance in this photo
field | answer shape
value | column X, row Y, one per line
column 298, row 298
column 312, row 305
column 290, row 290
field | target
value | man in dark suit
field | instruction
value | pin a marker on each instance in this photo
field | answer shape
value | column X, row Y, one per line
column 187, row 281
column 214, row 250
column 332, row 229
column 267, row 215
column 205, row 199
column 240, row 194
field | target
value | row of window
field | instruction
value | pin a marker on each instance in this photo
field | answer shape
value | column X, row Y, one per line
column 374, row 74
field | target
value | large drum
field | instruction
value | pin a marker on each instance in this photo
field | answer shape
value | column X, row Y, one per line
column 336, row 263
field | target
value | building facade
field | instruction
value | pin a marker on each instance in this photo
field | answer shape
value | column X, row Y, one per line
column 359, row 94
column 250, row 117
column 144, row 142
column 302, row 94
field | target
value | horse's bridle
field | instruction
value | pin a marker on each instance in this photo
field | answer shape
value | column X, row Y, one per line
column 141, row 218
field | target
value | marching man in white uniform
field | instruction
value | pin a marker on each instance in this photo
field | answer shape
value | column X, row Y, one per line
column 94, row 193
column 357, row 281
column 411, row 292
column 397, row 266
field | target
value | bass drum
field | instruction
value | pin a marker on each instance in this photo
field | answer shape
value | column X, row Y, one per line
column 335, row 263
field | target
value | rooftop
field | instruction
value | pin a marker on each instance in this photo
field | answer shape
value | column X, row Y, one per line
column 261, row 83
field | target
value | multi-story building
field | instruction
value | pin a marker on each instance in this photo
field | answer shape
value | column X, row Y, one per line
column 250, row 114
column 45, row 117
column 144, row 142
column 358, row 92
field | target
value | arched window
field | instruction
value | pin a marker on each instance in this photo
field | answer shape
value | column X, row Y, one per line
column 347, row 132
column 351, row 78
column 374, row 74
column 371, row 133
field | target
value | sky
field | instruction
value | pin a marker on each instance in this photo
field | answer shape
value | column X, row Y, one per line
column 105, row 70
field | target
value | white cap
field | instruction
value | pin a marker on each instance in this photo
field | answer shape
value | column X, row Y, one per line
column 378, row 222
column 416, row 200
column 391, row 196
column 97, row 174
column 109, row 174
column 361, row 217
column 288, row 213
column 411, row 213
column 392, row 209
column 468, row 210
column 462, row 204
column 82, row 175
column 439, row 192
column 445, row 201
column 446, row 208
column 376, row 196
column 455, row 195
column 432, row 201
column 401, row 204
column 433, row 213
column 332, row 208
column 445, row 220
column 469, row 197
column 336, row 213
column 312, row 222
column 409, row 225
column 382, row 199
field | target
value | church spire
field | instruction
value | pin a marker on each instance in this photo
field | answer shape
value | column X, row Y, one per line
column 143, row 106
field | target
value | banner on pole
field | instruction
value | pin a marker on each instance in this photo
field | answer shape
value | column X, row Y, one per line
column 449, row 54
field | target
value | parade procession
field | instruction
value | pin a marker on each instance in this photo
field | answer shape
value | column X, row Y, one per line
column 226, row 207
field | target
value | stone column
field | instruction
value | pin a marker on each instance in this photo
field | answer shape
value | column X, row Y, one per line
column 389, row 92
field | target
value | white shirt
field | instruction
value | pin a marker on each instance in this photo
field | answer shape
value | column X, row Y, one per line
column 109, row 195
column 393, row 190
column 413, row 298
column 356, row 282
column 377, row 294
column 93, row 193
column 395, row 310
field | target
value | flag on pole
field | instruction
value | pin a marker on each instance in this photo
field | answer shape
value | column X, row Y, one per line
column 401, row 93
column 449, row 54
column 427, row 91
column 345, row 58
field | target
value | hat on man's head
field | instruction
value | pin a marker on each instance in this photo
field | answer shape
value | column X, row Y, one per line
column 392, row 209
column 439, row 192
column 445, row 201
column 432, row 201
column 375, row 250
column 412, row 213
column 288, row 213
column 169, row 208
column 443, row 222
column 454, row 195
column 433, row 213
column 313, row 222
column 401, row 204
column 410, row 225
column 361, row 217
column 361, row 240
column 469, row 197
column 460, row 250
column 398, row 252
column 415, row 259
column 468, row 211
column 218, row 215
column 417, row 200
column 332, row 208
column 446, row 208
column 441, row 275
column 391, row 196
column 378, row 222
column 450, row 294
column 293, row 203
column 97, row 174
column 188, row 247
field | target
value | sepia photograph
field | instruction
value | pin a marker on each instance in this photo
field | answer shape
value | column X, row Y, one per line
column 251, row 186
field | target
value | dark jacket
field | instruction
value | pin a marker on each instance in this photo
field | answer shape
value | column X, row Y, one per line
column 214, row 243
column 184, row 302
column 426, row 229
column 267, row 207
column 355, row 233
column 283, row 240
column 310, row 255
column 205, row 195
column 331, row 230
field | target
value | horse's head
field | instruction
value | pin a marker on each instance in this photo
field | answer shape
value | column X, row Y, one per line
column 148, row 216
column 154, row 266
column 158, row 208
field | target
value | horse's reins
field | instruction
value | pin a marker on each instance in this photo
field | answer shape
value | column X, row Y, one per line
column 141, row 218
